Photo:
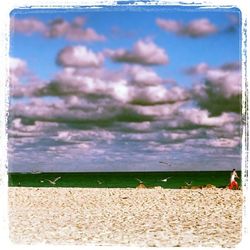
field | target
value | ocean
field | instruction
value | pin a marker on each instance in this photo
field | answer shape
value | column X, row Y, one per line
column 121, row 179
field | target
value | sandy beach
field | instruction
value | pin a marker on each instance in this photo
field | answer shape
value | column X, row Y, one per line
column 131, row 217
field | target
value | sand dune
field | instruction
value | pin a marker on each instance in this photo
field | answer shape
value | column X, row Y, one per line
column 132, row 217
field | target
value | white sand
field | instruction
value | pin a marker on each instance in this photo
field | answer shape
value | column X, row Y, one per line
column 132, row 217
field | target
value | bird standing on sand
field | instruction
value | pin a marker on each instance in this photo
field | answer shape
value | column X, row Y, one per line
column 54, row 181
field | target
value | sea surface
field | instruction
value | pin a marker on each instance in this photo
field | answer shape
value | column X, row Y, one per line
column 121, row 179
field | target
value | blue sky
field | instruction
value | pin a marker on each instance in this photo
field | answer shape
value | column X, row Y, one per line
column 206, row 42
column 215, row 50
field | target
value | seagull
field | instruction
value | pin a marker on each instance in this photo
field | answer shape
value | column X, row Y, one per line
column 166, row 163
column 165, row 180
column 36, row 172
column 139, row 180
column 188, row 184
column 54, row 181
column 99, row 182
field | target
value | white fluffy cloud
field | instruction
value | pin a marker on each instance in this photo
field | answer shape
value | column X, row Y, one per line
column 18, row 68
column 74, row 82
column 160, row 112
column 201, row 117
column 22, row 81
column 221, row 89
column 79, row 56
column 226, row 83
column 143, row 52
column 19, row 130
column 199, row 27
column 158, row 95
column 143, row 76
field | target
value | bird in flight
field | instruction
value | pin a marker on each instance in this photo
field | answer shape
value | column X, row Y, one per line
column 188, row 184
column 54, row 181
column 139, row 180
column 166, row 163
column 36, row 172
column 166, row 179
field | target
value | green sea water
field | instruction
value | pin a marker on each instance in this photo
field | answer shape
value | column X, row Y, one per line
column 121, row 179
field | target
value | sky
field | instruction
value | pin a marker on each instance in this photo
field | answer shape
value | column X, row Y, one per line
column 121, row 89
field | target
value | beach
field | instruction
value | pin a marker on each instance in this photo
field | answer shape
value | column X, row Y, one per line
column 126, row 216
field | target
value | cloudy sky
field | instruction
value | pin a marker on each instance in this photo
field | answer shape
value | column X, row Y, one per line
column 121, row 90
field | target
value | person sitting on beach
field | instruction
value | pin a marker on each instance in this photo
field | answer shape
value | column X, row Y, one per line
column 233, row 182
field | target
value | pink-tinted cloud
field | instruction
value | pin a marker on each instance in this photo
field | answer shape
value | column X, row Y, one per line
column 143, row 76
column 72, row 81
column 159, row 111
column 137, row 126
column 18, row 129
column 18, row 68
column 231, row 66
column 27, row 90
column 79, row 21
column 79, row 56
column 199, row 27
column 133, row 74
column 57, row 28
column 180, row 135
column 198, row 69
column 74, row 31
column 152, row 95
column 27, row 26
column 143, row 52
column 165, row 116
column 224, row 142
column 225, row 83
column 202, row 117
column 180, row 116
column 89, row 34
column 78, row 135
column 170, row 122
column 203, row 68
column 221, row 89
column 196, row 28
column 169, row 25
column 18, row 72
column 22, row 81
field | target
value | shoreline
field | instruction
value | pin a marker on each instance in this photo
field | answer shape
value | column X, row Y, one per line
column 126, row 216
column 174, row 180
